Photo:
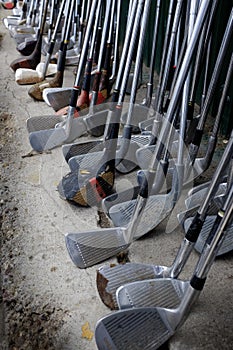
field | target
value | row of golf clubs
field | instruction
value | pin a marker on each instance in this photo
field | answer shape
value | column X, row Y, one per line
column 104, row 246
column 131, row 152
column 149, row 327
column 83, row 246
column 120, row 207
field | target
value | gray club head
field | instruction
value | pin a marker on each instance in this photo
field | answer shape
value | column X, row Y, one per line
column 45, row 139
column 13, row 21
column 119, row 197
column 202, row 186
column 91, row 247
column 133, row 329
column 197, row 188
column 184, row 215
column 57, row 98
column 111, row 277
column 125, row 166
column 162, row 205
column 146, row 125
column 80, row 148
column 143, row 327
column 163, row 292
column 140, row 113
column 227, row 244
column 38, row 123
column 145, row 153
column 131, row 193
column 196, row 199
column 72, row 60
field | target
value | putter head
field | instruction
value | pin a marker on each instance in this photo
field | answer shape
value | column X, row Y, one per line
column 110, row 277
column 92, row 247
column 133, row 329
column 163, row 292
column 227, row 244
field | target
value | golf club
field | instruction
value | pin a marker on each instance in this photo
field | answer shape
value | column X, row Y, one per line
column 89, row 248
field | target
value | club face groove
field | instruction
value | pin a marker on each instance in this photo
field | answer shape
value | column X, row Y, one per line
column 45, row 122
column 162, row 292
column 159, row 204
column 88, row 248
column 227, row 244
column 110, row 278
column 132, row 329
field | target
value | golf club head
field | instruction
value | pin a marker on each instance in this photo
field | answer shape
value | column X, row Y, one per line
column 26, row 76
column 198, row 196
column 44, row 122
column 81, row 148
column 184, row 215
column 51, row 69
column 88, row 162
column 27, row 62
column 144, row 154
column 140, row 113
column 129, row 160
column 146, row 125
column 227, row 244
column 110, row 277
column 162, row 205
column 58, row 97
column 197, row 188
column 27, row 47
column 89, row 248
column 163, row 292
column 131, row 329
column 44, row 140
column 125, row 166
column 87, row 186
column 21, row 38
column 119, row 197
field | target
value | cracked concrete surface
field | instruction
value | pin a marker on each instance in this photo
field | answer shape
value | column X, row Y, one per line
column 46, row 302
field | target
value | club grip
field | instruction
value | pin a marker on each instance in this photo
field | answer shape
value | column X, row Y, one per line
column 197, row 283
column 194, row 229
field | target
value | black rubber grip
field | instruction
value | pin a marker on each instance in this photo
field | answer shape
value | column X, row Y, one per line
column 197, row 283
column 147, row 181
column 197, row 137
column 51, row 47
column 127, row 132
column 115, row 96
column 214, row 229
column 190, row 111
column 194, row 229
column 74, row 97
column 87, row 78
column 62, row 60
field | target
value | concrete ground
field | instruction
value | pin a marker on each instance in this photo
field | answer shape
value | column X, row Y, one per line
column 46, row 301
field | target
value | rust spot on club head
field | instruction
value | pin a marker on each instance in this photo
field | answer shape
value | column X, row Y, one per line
column 105, row 296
